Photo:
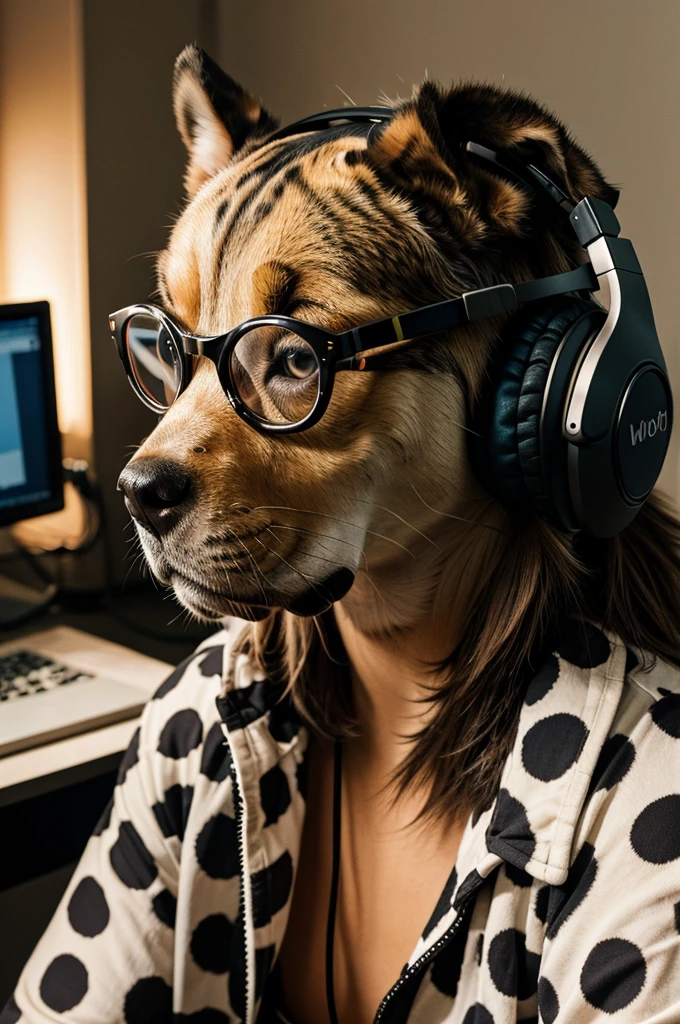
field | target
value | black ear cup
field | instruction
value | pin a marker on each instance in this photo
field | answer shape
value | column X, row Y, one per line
column 518, row 451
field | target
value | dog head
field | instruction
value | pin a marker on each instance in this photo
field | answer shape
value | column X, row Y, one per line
column 338, row 227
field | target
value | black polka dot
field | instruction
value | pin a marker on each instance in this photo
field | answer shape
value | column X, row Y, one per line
column 615, row 759
column 548, row 1003
column 509, row 832
column 175, row 676
column 655, row 835
column 666, row 714
column 242, row 706
column 552, row 745
column 149, row 1001
column 480, row 948
column 284, row 721
column 165, row 907
column 513, row 968
column 210, row 943
column 676, row 910
column 130, row 858
column 217, row 847
column 542, row 902
column 11, row 1013
column 264, row 956
column 519, row 877
column 565, row 898
column 470, row 883
column 130, row 758
column 88, row 910
column 271, row 888
column 181, row 734
column 613, row 975
column 301, row 774
column 582, row 644
column 236, row 983
column 172, row 815
column 274, row 794
column 216, row 755
column 64, row 983
column 208, row 1015
column 211, row 664
column 447, row 965
column 543, row 681
column 105, row 819
column 443, row 903
column 478, row 1014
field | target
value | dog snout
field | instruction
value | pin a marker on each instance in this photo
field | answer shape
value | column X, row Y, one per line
column 157, row 493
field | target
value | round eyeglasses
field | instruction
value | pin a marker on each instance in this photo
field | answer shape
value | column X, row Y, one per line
column 278, row 372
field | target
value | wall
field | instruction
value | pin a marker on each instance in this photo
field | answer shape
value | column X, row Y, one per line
column 609, row 69
column 135, row 163
column 42, row 189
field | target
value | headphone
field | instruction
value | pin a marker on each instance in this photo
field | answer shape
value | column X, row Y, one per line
column 576, row 422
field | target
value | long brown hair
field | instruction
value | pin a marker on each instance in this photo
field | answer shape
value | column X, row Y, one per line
column 629, row 584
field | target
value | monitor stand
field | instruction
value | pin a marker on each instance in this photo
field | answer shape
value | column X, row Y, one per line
column 19, row 601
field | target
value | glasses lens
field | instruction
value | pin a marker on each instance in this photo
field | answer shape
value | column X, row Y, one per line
column 154, row 358
column 276, row 375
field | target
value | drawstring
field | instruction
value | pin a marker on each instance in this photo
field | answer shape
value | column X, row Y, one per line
column 335, row 874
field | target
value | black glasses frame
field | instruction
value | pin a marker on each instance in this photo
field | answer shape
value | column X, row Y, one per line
column 348, row 350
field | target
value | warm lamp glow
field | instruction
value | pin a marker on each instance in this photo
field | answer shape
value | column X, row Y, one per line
column 43, row 242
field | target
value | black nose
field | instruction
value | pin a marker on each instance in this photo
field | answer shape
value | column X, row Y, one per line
column 156, row 492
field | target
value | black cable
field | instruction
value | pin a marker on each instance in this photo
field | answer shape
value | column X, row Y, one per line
column 335, row 875
column 77, row 473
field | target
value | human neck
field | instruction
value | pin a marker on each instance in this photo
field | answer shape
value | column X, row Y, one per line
column 393, row 658
column 388, row 677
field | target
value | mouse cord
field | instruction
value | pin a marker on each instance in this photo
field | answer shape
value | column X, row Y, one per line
column 335, row 875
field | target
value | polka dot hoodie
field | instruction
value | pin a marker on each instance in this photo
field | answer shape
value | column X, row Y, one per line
column 563, row 904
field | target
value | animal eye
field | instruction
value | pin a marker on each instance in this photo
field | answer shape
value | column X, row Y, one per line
column 299, row 363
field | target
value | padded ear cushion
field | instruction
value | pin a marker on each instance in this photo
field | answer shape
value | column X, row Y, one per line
column 510, row 419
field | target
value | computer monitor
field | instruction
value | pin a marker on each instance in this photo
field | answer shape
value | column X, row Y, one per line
column 30, row 448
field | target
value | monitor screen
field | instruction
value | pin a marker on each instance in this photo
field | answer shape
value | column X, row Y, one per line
column 30, row 450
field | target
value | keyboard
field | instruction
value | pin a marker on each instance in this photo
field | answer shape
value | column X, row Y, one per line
column 24, row 672
column 56, row 683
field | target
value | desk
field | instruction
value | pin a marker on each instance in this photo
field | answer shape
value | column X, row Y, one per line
column 66, row 762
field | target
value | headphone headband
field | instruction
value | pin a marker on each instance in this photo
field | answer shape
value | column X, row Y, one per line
column 326, row 119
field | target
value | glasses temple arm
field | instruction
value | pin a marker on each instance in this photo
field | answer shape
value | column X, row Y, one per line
column 444, row 316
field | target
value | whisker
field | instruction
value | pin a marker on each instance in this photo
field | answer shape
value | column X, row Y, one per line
column 256, row 568
column 346, row 95
column 304, row 575
column 325, row 536
column 460, row 519
column 326, row 515
column 401, row 519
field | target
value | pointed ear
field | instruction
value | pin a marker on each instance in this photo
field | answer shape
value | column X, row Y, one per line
column 215, row 115
column 436, row 125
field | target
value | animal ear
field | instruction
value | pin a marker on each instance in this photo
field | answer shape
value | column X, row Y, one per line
column 436, row 125
column 215, row 115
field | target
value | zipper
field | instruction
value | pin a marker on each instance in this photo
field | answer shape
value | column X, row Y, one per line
column 424, row 959
column 238, row 814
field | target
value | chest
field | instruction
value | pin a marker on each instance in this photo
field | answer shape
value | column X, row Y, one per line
column 391, row 878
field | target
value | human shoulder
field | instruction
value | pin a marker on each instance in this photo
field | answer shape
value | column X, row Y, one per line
column 636, row 780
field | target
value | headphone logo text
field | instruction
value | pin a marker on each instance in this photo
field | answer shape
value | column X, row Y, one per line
column 648, row 428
